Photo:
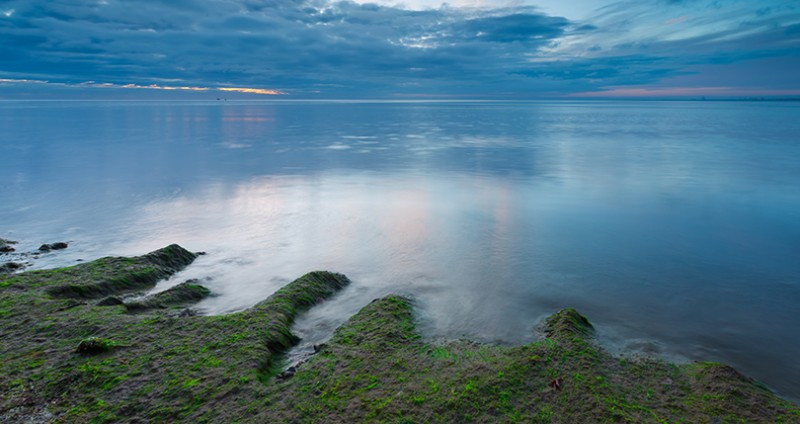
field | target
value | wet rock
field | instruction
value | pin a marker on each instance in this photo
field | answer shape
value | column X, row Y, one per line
column 94, row 346
column 110, row 301
column 289, row 373
column 53, row 246
column 567, row 324
column 10, row 267
column 121, row 275
column 184, row 293
column 319, row 347
column 5, row 245
column 188, row 312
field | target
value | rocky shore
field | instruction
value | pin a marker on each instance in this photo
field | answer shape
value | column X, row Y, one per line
column 77, row 347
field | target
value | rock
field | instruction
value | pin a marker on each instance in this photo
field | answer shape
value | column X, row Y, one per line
column 53, row 246
column 289, row 373
column 110, row 301
column 94, row 346
column 5, row 245
column 10, row 267
column 184, row 293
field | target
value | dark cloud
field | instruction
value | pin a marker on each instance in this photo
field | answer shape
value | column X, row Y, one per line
column 350, row 49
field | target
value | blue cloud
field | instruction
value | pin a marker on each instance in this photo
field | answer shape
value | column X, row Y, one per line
column 345, row 49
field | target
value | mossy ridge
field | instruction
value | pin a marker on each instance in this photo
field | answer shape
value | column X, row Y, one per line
column 377, row 369
column 182, row 294
column 104, row 276
column 153, row 365
column 137, row 274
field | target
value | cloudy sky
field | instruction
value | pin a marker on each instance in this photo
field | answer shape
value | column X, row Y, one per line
column 406, row 49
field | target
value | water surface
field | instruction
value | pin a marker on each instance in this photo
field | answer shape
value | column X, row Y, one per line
column 675, row 226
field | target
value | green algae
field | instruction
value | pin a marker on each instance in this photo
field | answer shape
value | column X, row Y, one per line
column 154, row 365
column 182, row 294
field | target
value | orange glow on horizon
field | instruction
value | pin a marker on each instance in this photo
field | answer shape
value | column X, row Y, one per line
column 252, row 90
column 683, row 91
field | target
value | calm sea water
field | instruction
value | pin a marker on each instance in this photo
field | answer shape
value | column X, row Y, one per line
column 674, row 226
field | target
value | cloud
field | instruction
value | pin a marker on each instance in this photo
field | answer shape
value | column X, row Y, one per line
column 347, row 49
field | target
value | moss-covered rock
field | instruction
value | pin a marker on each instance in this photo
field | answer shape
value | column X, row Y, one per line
column 95, row 345
column 568, row 325
column 182, row 294
column 154, row 366
column 114, row 275
column 148, row 366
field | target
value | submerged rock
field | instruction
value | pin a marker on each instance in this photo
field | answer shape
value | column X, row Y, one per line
column 5, row 245
column 53, row 246
column 10, row 267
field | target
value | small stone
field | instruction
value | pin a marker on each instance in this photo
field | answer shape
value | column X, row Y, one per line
column 94, row 346
column 289, row 373
column 53, row 246
column 188, row 312
column 5, row 245
column 10, row 267
column 110, row 301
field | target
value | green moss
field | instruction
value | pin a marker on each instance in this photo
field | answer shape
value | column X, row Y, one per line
column 180, row 295
column 95, row 345
column 160, row 367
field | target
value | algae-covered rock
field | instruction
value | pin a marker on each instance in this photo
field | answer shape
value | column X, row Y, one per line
column 567, row 324
column 375, row 368
column 110, row 301
column 107, row 276
column 95, row 346
column 182, row 294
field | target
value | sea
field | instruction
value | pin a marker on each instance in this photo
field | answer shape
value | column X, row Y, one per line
column 674, row 226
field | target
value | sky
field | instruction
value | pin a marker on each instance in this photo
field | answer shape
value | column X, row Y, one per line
column 399, row 50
